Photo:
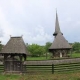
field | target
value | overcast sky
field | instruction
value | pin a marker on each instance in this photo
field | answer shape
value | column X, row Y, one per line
column 35, row 20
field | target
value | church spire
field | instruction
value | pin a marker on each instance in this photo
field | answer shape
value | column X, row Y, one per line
column 57, row 28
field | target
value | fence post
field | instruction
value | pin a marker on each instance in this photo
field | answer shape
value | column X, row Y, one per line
column 24, row 68
column 52, row 68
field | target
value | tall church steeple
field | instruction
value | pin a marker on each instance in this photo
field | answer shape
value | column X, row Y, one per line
column 60, row 46
column 57, row 27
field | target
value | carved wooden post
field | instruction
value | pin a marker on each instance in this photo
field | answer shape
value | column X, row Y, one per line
column 5, row 65
column 21, row 65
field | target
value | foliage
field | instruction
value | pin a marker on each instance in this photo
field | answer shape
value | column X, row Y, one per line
column 36, row 50
column 76, row 47
column 48, row 44
column 1, row 46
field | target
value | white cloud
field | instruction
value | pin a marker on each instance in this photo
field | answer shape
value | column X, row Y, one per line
column 6, row 27
column 40, row 36
column 35, row 19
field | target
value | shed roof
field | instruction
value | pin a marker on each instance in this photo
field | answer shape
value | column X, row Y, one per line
column 15, row 45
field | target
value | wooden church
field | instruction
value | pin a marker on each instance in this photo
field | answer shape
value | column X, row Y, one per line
column 15, row 54
column 60, row 46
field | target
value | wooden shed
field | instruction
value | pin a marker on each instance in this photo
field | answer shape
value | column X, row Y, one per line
column 15, row 54
column 60, row 46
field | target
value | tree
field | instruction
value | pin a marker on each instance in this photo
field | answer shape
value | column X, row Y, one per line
column 1, row 46
column 48, row 44
column 76, row 47
column 36, row 50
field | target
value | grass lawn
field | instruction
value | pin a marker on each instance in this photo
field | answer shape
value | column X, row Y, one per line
column 38, row 58
column 73, row 55
column 44, row 75
column 47, row 76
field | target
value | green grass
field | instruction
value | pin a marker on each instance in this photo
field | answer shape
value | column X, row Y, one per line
column 73, row 55
column 38, row 58
column 9, row 77
column 47, row 76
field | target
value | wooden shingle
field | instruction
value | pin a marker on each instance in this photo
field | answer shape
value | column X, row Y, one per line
column 15, row 45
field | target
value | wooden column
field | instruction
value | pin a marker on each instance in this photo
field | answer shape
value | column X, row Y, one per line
column 21, row 64
column 5, row 58
column 4, row 63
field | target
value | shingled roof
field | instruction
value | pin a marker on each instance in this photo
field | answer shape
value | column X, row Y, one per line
column 57, row 28
column 15, row 45
column 60, row 42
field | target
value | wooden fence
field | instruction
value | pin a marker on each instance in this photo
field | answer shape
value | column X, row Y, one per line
column 50, row 68
column 53, row 68
column 1, row 68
